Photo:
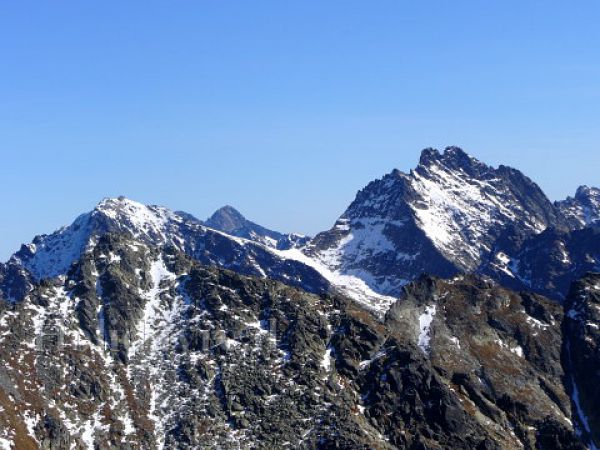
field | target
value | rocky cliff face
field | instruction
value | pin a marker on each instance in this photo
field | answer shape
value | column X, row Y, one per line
column 501, row 351
column 582, row 327
column 546, row 263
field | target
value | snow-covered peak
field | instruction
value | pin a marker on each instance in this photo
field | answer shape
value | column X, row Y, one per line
column 444, row 216
column 50, row 255
column 142, row 221
column 583, row 209
column 463, row 204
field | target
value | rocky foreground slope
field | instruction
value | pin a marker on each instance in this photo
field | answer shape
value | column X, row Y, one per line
column 143, row 347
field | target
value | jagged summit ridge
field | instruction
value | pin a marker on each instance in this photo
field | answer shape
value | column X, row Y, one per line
column 584, row 208
column 463, row 204
column 442, row 217
column 450, row 214
column 451, row 156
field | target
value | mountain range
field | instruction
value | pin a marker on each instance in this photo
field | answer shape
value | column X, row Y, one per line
column 453, row 306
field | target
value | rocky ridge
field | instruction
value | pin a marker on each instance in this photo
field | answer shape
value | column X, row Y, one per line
column 583, row 209
column 49, row 256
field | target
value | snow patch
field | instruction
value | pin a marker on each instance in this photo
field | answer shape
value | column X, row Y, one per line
column 352, row 286
column 425, row 321
column 326, row 361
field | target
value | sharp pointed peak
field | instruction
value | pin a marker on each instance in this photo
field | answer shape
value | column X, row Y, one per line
column 450, row 155
column 227, row 211
column 227, row 219
column 428, row 155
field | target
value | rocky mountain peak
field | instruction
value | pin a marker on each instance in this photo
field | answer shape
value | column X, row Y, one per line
column 137, row 216
column 584, row 192
column 429, row 155
column 229, row 220
column 51, row 255
column 444, row 216
column 589, row 198
column 451, row 155
column 584, row 208
column 226, row 219
column 453, row 159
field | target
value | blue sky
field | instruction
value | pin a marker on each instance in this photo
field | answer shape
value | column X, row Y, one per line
column 282, row 109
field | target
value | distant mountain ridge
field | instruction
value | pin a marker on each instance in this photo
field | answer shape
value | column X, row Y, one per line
column 231, row 221
column 451, row 214
column 49, row 256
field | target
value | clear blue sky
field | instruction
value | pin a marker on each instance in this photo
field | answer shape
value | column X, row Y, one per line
column 282, row 109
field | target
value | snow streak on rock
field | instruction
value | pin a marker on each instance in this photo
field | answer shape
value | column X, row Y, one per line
column 425, row 321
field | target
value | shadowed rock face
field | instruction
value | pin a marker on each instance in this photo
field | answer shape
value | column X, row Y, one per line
column 496, row 353
column 231, row 221
column 140, row 346
column 582, row 328
column 546, row 263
